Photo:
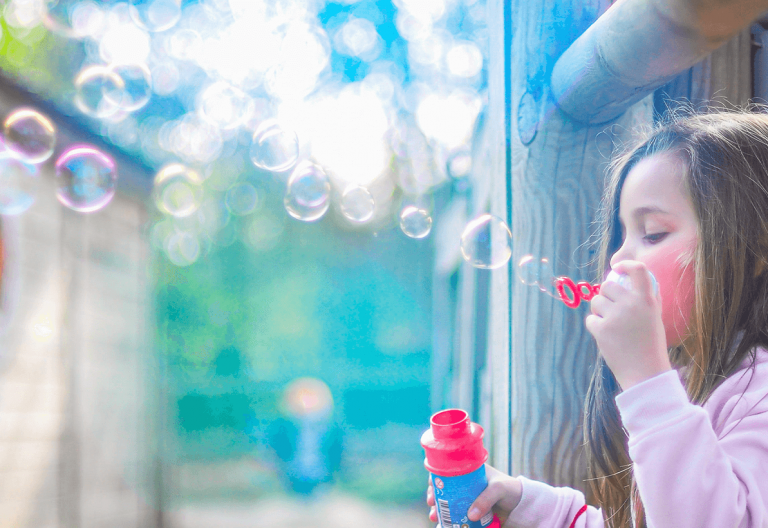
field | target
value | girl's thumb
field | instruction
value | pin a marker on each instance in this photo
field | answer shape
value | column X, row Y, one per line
column 484, row 502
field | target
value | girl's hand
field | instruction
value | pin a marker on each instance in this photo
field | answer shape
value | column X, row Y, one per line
column 628, row 328
column 502, row 496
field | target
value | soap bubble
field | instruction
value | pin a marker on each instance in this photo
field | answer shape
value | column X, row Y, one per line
column 274, row 148
column 533, row 271
column 415, row 222
column 92, row 84
column 486, row 242
column 86, row 178
column 19, row 184
column 155, row 15
column 29, row 135
column 241, row 199
column 135, row 89
column 308, row 194
column 357, row 204
column 177, row 190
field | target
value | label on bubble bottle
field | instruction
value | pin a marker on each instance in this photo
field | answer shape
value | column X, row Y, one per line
column 454, row 496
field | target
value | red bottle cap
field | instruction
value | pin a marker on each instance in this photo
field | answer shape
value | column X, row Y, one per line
column 453, row 444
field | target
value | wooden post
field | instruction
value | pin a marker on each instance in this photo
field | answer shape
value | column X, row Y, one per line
column 576, row 84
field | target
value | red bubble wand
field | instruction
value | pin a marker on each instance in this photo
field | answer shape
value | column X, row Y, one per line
column 578, row 291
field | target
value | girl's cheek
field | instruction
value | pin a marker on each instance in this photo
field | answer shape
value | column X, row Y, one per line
column 676, row 285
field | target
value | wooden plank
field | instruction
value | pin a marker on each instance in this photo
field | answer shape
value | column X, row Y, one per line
column 724, row 77
column 640, row 45
column 597, row 71
column 499, row 346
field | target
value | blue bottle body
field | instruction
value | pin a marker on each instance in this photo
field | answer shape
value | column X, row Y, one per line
column 454, row 496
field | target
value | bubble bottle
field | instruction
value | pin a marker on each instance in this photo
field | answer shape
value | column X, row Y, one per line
column 455, row 459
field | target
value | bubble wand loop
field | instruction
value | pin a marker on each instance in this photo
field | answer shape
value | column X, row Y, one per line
column 578, row 291
column 583, row 290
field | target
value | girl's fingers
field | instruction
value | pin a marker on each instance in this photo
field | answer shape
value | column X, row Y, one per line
column 432, row 514
column 598, row 304
column 592, row 323
column 486, row 500
column 611, row 290
column 430, row 497
column 638, row 274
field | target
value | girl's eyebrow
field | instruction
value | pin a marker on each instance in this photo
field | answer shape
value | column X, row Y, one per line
column 640, row 212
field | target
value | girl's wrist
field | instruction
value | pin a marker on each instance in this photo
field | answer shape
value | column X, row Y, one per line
column 630, row 381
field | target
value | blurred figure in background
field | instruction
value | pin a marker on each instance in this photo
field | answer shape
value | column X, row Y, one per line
column 307, row 440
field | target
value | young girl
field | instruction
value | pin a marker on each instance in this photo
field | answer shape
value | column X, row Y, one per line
column 676, row 415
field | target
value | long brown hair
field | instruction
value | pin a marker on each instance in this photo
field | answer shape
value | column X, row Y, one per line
column 725, row 159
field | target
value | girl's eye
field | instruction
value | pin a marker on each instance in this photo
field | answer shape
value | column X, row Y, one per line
column 653, row 238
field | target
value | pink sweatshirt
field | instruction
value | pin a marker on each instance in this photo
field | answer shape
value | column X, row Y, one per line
column 696, row 467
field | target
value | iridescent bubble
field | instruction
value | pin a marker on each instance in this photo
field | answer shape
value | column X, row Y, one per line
column 415, row 222
column 182, row 248
column 307, row 197
column 357, row 204
column 86, row 178
column 486, row 242
column 135, row 90
column 155, row 15
column 19, row 184
column 533, row 271
column 92, row 84
column 273, row 148
column 29, row 135
column 241, row 199
column 177, row 190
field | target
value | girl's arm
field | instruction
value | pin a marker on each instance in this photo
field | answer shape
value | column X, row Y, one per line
column 688, row 475
column 519, row 502
column 545, row 505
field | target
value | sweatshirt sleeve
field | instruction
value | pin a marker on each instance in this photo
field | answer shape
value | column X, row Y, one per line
column 556, row 507
column 687, row 476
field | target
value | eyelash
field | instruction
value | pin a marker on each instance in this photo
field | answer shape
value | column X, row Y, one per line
column 655, row 237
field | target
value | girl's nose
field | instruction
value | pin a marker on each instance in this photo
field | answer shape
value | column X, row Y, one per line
column 621, row 254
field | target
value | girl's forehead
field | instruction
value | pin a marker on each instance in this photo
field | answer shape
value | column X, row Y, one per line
column 656, row 181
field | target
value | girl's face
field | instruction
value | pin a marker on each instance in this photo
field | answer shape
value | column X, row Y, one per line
column 660, row 229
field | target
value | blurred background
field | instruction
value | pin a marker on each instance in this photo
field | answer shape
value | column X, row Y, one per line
column 230, row 243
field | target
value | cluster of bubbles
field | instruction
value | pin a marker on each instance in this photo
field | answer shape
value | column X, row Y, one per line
column 85, row 176
column 151, row 46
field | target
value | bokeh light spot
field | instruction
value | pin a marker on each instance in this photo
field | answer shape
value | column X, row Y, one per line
column 177, row 190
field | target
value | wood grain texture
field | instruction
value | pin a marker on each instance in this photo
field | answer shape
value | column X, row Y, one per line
column 640, row 45
column 74, row 405
column 722, row 78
